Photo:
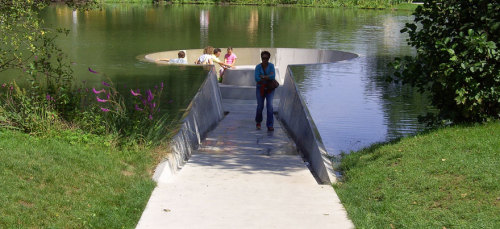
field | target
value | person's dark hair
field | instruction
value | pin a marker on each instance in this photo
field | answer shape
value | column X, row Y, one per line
column 181, row 54
column 217, row 50
column 230, row 48
column 265, row 53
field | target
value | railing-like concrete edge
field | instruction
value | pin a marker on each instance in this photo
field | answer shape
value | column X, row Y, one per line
column 202, row 115
column 295, row 117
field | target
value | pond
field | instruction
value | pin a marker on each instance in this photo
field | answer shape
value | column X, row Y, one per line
column 350, row 101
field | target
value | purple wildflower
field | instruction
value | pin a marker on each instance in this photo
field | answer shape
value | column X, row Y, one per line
column 48, row 97
column 98, row 92
column 154, row 104
column 156, row 86
column 150, row 95
column 100, row 100
column 137, row 108
column 105, row 109
column 36, row 58
column 3, row 85
column 90, row 70
column 150, row 117
column 106, row 84
column 161, row 84
column 108, row 96
column 135, row 93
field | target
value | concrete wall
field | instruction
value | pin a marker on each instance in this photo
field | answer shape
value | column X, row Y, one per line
column 203, row 114
column 295, row 117
column 280, row 57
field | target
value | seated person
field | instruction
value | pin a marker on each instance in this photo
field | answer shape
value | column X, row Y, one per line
column 180, row 60
column 229, row 58
column 215, row 58
column 206, row 58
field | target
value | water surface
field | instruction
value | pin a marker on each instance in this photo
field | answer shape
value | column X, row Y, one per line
column 350, row 102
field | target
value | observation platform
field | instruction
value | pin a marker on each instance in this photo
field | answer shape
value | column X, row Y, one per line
column 234, row 176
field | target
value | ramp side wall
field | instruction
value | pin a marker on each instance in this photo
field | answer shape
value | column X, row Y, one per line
column 297, row 120
column 202, row 115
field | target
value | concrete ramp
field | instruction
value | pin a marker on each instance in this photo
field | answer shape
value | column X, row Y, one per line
column 244, row 178
column 235, row 176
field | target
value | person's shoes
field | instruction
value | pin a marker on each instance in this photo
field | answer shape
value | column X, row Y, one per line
column 270, row 128
column 258, row 126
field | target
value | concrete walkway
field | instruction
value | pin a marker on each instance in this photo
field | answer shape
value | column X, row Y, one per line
column 244, row 178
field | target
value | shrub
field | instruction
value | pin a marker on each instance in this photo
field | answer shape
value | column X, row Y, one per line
column 457, row 58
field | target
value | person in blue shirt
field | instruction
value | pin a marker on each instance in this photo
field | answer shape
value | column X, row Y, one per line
column 264, row 73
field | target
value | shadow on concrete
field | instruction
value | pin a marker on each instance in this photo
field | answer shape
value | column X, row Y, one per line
column 284, row 165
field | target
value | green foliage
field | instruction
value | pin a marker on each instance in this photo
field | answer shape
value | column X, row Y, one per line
column 135, row 116
column 444, row 178
column 23, row 112
column 457, row 58
column 29, row 48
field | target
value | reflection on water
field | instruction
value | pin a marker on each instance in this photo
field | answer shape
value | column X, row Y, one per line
column 353, row 107
column 252, row 28
column 204, row 22
column 350, row 102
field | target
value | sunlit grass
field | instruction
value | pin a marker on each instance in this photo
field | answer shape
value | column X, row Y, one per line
column 447, row 178
column 71, row 181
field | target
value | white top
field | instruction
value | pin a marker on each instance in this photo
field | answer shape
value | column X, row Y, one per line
column 178, row 61
column 203, row 59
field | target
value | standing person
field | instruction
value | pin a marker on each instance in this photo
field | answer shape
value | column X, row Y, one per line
column 230, row 59
column 264, row 73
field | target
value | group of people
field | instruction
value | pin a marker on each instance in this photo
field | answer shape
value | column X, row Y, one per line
column 264, row 74
column 211, row 56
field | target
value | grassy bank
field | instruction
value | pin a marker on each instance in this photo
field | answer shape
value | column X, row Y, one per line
column 71, row 180
column 447, row 178
column 368, row 4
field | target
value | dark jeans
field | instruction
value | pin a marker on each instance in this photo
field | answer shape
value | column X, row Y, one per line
column 269, row 107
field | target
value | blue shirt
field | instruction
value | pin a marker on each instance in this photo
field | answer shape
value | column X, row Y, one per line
column 270, row 71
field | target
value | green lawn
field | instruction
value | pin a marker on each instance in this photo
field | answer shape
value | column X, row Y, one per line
column 449, row 178
column 70, row 180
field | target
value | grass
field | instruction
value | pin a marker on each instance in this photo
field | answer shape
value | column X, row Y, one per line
column 448, row 178
column 71, row 180
column 405, row 6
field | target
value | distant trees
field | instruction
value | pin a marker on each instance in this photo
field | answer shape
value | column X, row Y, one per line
column 457, row 58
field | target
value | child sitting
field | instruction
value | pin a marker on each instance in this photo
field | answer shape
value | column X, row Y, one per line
column 180, row 60
column 206, row 58
column 229, row 60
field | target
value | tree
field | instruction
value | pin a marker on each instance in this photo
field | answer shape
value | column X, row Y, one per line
column 457, row 58
column 26, row 46
column 22, row 35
